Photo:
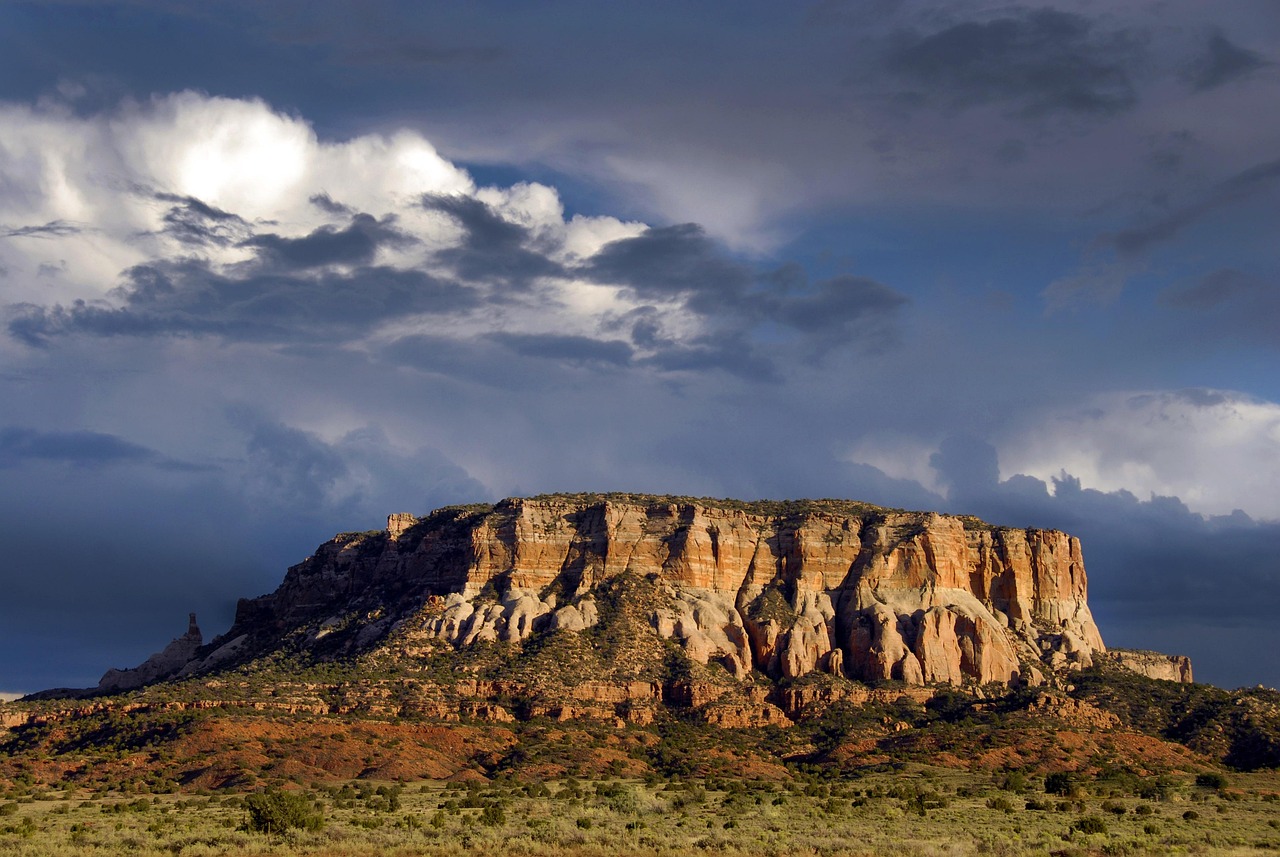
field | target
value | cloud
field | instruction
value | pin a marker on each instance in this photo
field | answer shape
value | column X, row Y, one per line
column 730, row 352
column 194, row 222
column 965, row 463
column 1112, row 258
column 681, row 264
column 570, row 349
column 1226, row 306
column 359, row 475
column 1159, row 443
column 493, row 248
column 670, row 262
column 841, row 309
column 1222, row 62
column 82, row 448
column 1231, row 191
column 190, row 298
column 1043, row 61
column 355, row 244
column 105, row 560
column 52, row 229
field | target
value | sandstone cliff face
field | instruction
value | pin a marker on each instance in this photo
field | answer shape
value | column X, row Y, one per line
column 1154, row 665
column 781, row 589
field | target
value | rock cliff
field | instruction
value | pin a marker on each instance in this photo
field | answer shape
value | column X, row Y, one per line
column 1154, row 664
column 161, row 665
column 779, row 589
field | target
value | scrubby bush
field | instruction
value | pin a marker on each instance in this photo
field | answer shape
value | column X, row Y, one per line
column 275, row 811
column 1089, row 824
column 1211, row 780
column 1014, row 781
column 1114, row 807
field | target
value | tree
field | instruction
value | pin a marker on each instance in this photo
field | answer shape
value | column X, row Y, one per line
column 1058, row 783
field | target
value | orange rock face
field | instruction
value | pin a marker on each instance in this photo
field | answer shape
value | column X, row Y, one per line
column 782, row 589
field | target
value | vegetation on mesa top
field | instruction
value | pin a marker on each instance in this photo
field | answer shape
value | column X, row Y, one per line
column 763, row 508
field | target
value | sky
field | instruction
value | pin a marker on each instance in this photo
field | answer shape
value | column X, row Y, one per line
column 269, row 272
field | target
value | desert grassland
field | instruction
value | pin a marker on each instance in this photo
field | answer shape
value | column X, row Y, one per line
column 919, row 810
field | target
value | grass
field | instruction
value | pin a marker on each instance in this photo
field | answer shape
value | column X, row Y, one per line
column 919, row 810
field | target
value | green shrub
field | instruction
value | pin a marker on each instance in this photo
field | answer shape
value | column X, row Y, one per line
column 1190, row 815
column 1058, row 783
column 1089, row 824
column 1015, row 781
column 1211, row 780
column 1114, row 807
column 275, row 811
column 493, row 815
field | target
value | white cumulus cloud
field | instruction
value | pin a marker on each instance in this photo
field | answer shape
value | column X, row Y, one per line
column 1217, row 450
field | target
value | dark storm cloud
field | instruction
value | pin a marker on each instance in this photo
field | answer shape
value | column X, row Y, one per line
column 412, row 55
column 1228, row 305
column 571, row 349
column 966, row 464
column 195, row 222
column 189, row 298
column 19, row 445
column 509, row 361
column 329, row 205
column 1113, row 257
column 294, row 467
column 493, row 249
column 52, row 229
column 681, row 262
column 839, row 309
column 356, row 244
column 81, row 598
column 86, row 448
column 1236, row 189
column 1222, row 62
column 671, row 261
column 730, row 352
column 1042, row 60
column 358, row 475
column 471, row 360
column 1213, row 290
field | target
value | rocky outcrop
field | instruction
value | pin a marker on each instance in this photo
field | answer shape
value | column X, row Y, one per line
column 1153, row 664
column 782, row 589
column 161, row 665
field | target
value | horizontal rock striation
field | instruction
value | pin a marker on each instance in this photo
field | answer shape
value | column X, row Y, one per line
column 782, row 589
